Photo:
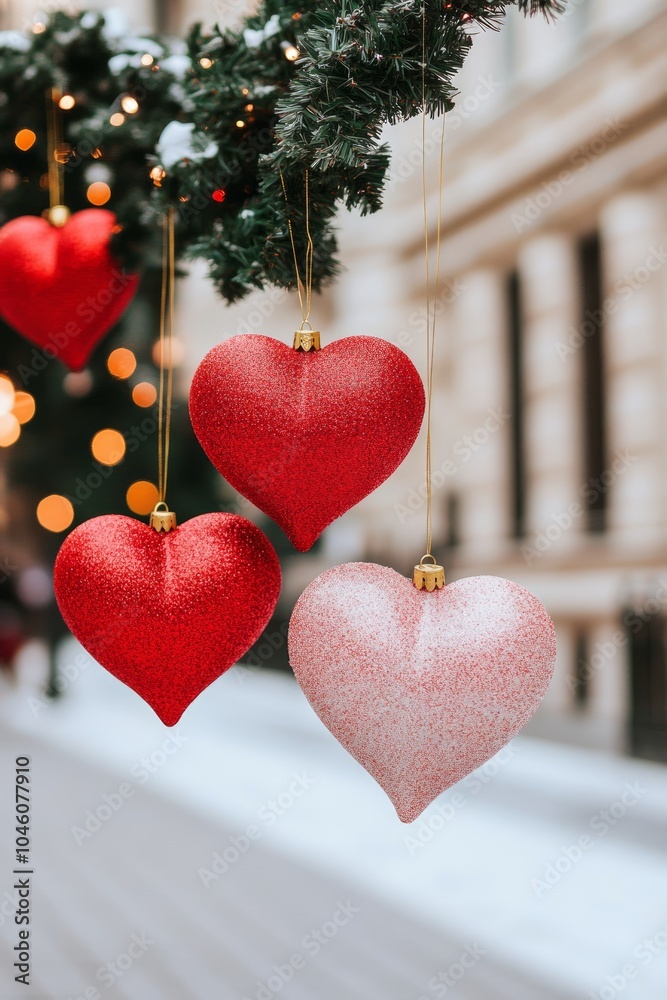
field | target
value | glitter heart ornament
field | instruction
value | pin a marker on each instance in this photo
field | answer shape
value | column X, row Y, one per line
column 167, row 613
column 421, row 688
column 306, row 435
column 60, row 287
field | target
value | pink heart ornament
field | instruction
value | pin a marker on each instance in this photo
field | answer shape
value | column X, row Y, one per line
column 421, row 688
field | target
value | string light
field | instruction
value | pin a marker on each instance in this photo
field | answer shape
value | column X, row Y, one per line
column 250, row 107
column 96, row 153
column 24, row 407
column 205, row 62
column 98, row 193
column 108, row 447
column 10, row 430
column 157, row 175
column 142, row 497
column 117, row 119
column 144, row 394
column 55, row 513
column 25, row 139
column 240, row 124
column 290, row 51
column 219, row 195
column 38, row 27
column 129, row 104
column 7, row 395
column 147, row 59
column 122, row 362
column 66, row 102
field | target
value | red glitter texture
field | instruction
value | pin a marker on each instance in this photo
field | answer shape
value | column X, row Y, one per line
column 420, row 688
column 61, row 288
column 167, row 613
column 306, row 436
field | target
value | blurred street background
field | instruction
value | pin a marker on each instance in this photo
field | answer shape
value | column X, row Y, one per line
column 542, row 876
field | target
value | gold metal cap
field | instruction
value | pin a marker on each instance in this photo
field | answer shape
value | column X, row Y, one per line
column 58, row 215
column 307, row 340
column 162, row 520
column 428, row 576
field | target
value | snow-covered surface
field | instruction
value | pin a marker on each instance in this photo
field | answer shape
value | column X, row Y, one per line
column 254, row 38
column 473, row 871
column 14, row 40
column 179, row 141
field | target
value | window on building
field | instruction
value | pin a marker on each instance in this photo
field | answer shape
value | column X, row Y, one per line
column 648, row 672
column 453, row 539
column 582, row 672
column 593, row 381
column 516, row 396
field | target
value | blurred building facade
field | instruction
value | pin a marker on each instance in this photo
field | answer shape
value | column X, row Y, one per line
column 551, row 348
column 550, row 462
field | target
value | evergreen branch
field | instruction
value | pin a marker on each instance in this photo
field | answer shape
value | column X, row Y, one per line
column 359, row 69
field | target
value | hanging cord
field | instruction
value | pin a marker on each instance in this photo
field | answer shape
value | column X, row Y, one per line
column 430, row 575
column 54, row 130
column 305, row 290
column 431, row 304
column 166, row 351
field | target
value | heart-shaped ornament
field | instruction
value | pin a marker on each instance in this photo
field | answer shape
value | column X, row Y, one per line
column 60, row 287
column 167, row 613
column 306, row 435
column 421, row 688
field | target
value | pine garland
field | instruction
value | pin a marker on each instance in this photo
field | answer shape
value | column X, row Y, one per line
column 359, row 68
column 293, row 91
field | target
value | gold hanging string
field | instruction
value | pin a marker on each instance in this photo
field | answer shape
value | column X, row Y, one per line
column 166, row 351
column 305, row 290
column 54, row 130
column 430, row 575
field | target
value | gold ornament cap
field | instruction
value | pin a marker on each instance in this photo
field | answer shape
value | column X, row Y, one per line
column 162, row 520
column 58, row 215
column 428, row 576
column 307, row 340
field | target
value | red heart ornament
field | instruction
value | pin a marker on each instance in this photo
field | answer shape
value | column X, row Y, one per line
column 421, row 688
column 167, row 613
column 306, row 435
column 60, row 287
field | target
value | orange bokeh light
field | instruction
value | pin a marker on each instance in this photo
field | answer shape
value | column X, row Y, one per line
column 142, row 497
column 144, row 394
column 98, row 193
column 121, row 362
column 24, row 407
column 108, row 447
column 10, row 430
column 55, row 513
column 7, row 395
column 25, row 139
